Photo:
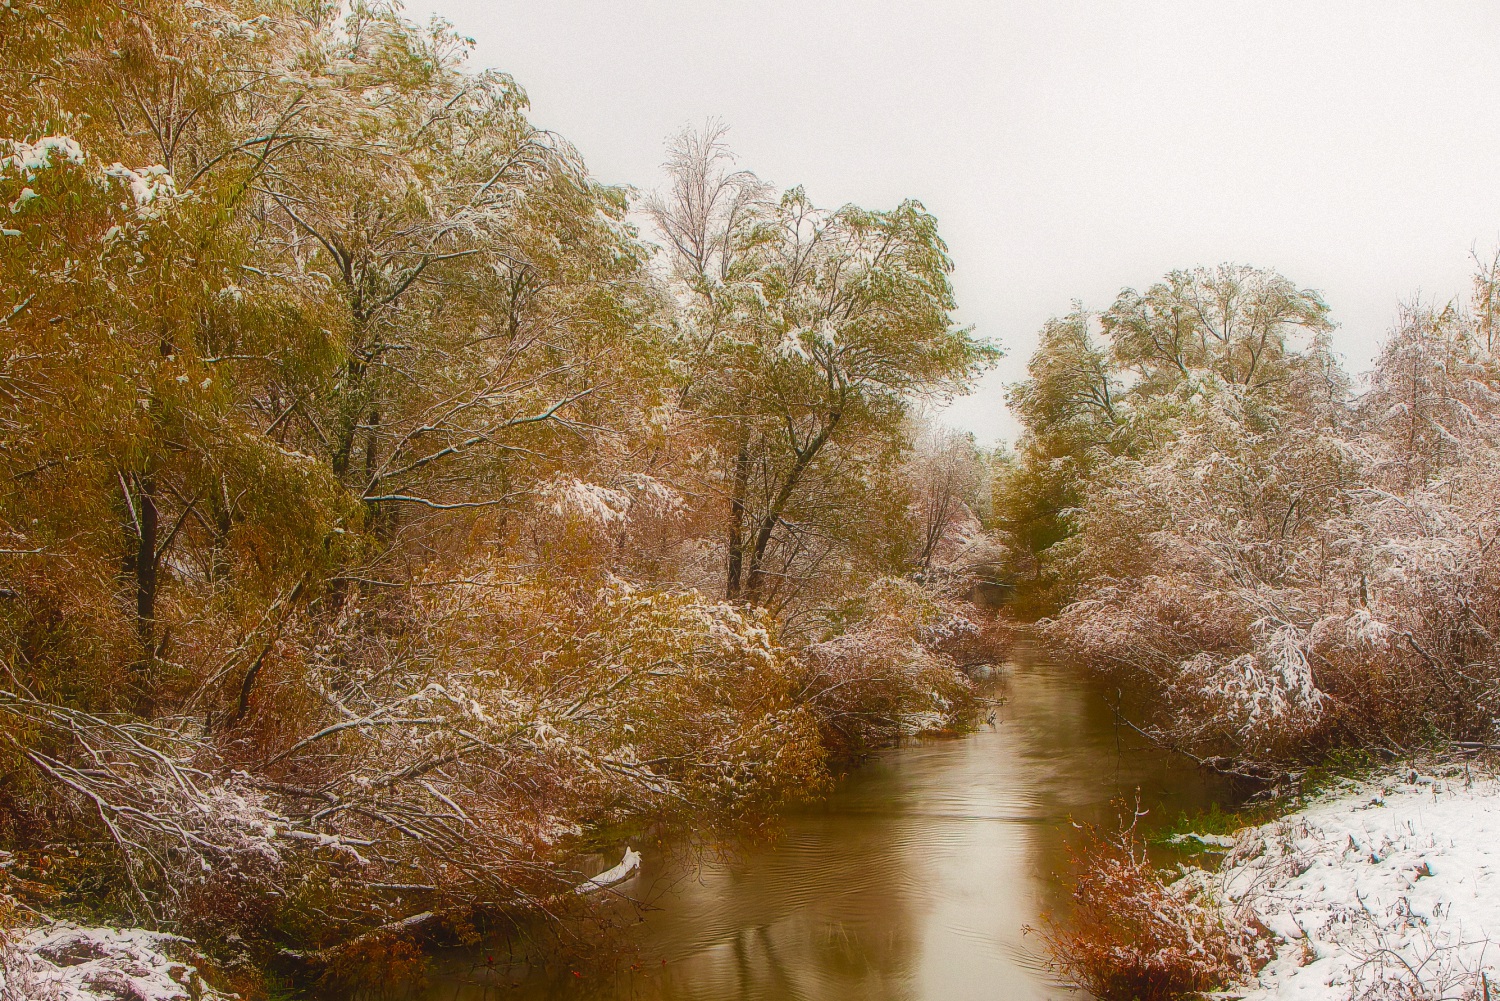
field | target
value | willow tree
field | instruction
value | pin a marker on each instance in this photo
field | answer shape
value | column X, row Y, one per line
column 818, row 328
column 1244, row 326
column 130, row 286
column 861, row 308
column 1100, row 390
column 1073, row 409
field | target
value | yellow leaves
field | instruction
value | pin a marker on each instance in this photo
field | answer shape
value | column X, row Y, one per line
column 348, row 404
column 903, row 603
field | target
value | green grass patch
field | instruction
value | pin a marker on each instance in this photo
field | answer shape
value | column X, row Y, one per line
column 1215, row 820
column 1339, row 766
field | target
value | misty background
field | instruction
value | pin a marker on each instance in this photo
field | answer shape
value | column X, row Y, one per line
column 1068, row 150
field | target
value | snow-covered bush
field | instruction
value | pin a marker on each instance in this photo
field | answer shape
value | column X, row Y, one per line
column 1142, row 934
column 185, row 825
column 66, row 962
column 1200, row 563
column 1269, row 690
column 889, row 675
column 1297, row 566
column 454, row 767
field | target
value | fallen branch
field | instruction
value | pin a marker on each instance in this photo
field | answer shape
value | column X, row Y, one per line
column 399, row 927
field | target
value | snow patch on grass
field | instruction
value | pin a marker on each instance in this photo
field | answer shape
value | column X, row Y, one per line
column 1390, row 888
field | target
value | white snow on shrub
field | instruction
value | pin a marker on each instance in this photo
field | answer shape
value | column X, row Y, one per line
column 1271, row 686
column 29, row 158
column 590, row 502
column 652, row 494
column 66, row 962
column 1358, row 631
column 151, row 187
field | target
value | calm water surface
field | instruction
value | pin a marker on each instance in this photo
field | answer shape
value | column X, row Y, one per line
column 915, row 880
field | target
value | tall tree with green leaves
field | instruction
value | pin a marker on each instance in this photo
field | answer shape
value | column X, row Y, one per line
column 1106, row 387
column 826, row 324
column 1074, row 411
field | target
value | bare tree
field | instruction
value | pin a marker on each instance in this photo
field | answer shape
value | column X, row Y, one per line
column 945, row 472
column 706, row 208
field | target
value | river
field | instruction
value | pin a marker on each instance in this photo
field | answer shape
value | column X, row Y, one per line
column 916, row 879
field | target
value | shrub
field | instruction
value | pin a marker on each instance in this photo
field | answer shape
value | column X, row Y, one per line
column 1135, row 935
column 891, row 675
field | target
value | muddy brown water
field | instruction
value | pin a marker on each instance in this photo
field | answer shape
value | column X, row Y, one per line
column 915, row 880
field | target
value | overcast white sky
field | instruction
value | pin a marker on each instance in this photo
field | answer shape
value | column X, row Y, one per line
column 1069, row 149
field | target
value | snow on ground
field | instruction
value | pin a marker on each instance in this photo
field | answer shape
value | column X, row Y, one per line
column 65, row 962
column 1386, row 889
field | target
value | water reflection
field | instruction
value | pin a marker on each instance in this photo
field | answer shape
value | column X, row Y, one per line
column 915, row 880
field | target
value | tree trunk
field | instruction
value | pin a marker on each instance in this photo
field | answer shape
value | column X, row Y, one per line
column 371, row 445
column 353, row 407
column 757, row 577
column 145, row 566
column 372, row 454
column 737, row 522
column 223, row 525
column 343, row 443
column 773, row 513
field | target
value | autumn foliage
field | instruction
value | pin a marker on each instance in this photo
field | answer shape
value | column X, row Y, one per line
column 1141, row 933
column 384, row 512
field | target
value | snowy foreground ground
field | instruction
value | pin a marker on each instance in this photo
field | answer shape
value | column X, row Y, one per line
column 1386, row 889
column 64, row 962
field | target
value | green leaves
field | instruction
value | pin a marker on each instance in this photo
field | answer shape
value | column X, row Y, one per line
column 813, row 331
column 1234, row 323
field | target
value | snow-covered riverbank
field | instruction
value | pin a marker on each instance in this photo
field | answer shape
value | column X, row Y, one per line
column 65, row 962
column 1389, row 888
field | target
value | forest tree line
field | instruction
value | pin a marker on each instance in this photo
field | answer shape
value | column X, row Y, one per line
column 388, row 503
column 1206, row 506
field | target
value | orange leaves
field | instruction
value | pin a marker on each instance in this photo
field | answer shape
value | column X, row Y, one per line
column 1138, row 936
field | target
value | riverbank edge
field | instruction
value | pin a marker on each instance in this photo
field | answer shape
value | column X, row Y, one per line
column 46, row 958
column 1382, row 886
